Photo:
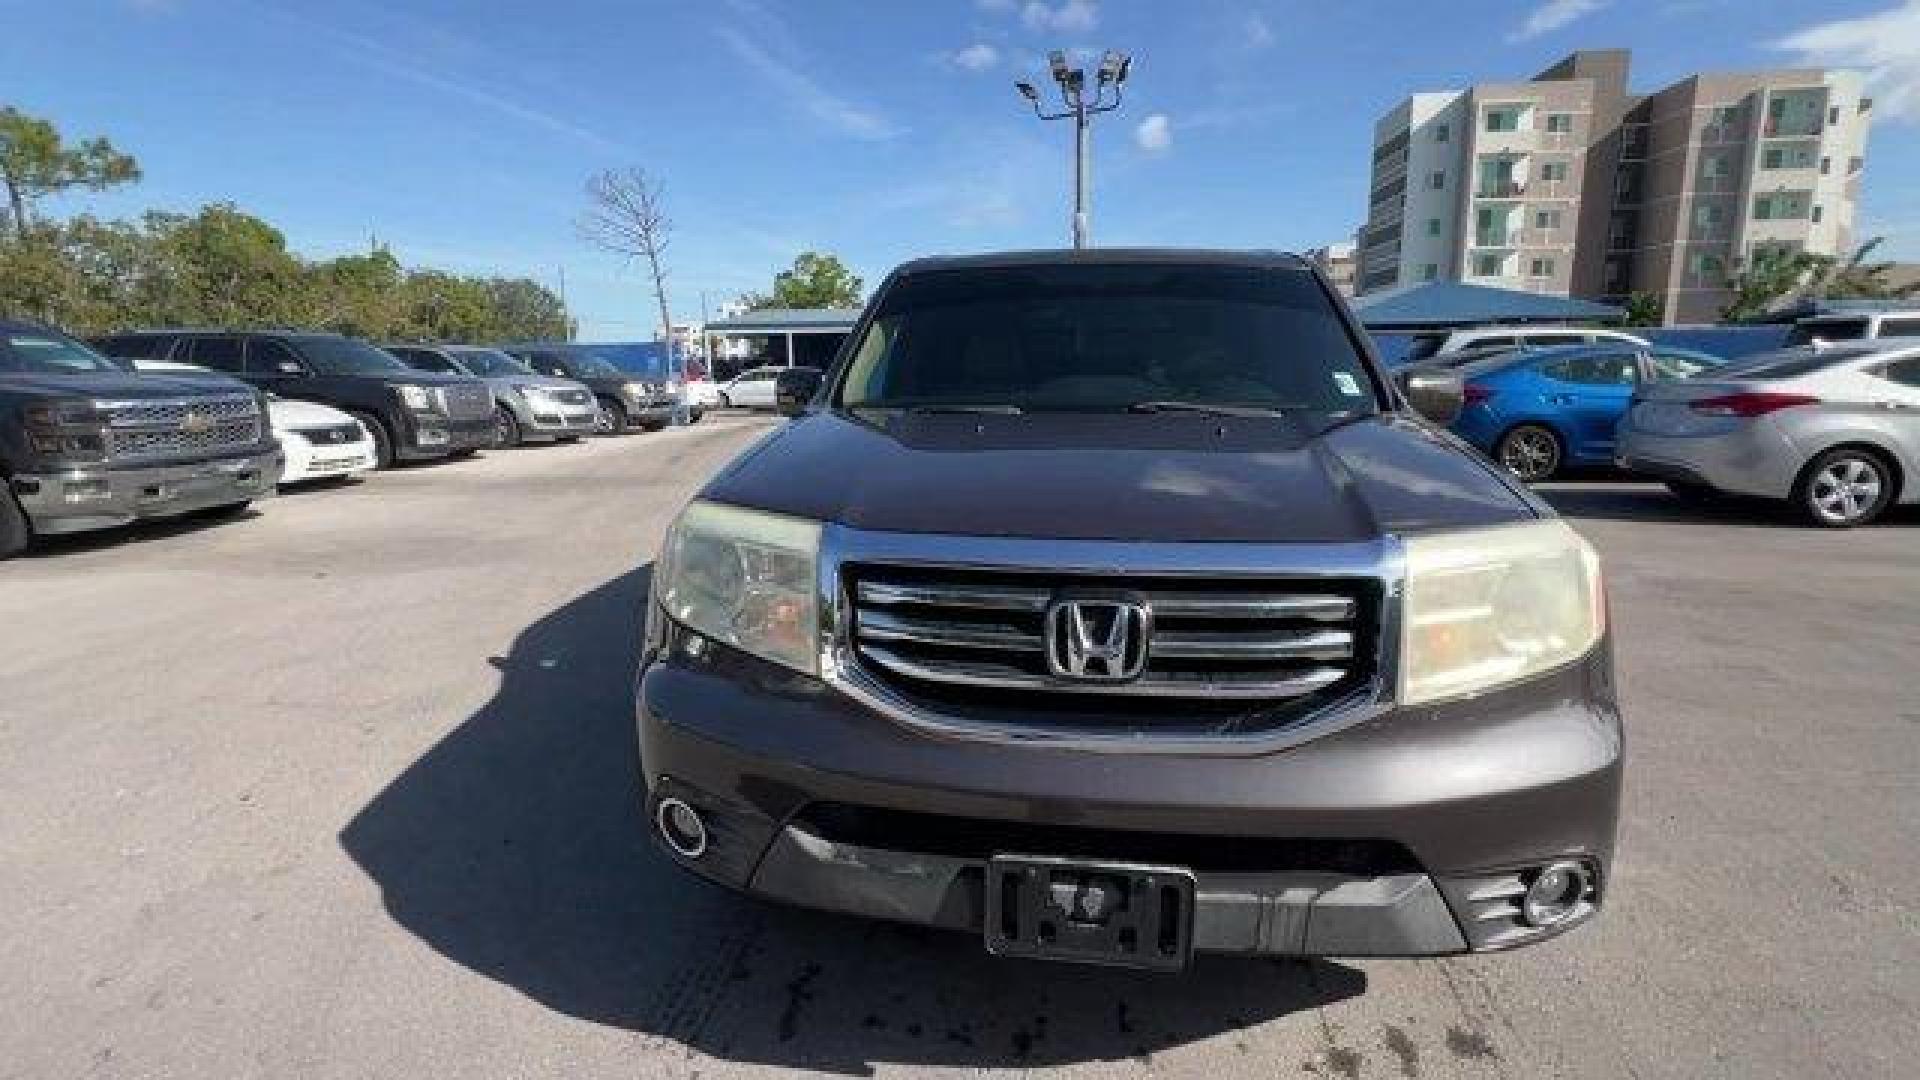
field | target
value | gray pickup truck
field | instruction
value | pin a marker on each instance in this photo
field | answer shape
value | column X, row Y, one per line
column 1115, row 606
column 86, row 445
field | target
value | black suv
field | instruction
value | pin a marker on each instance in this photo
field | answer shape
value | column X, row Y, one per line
column 627, row 401
column 413, row 415
column 1114, row 605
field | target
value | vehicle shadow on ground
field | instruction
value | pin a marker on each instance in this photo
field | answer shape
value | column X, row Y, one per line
column 60, row 545
column 515, row 848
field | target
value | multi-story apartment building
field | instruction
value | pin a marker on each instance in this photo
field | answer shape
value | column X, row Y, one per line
column 1338, row 261
column 1568, row 184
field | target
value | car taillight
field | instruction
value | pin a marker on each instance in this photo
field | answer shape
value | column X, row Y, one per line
column 1753, row 404
column 1474, row 393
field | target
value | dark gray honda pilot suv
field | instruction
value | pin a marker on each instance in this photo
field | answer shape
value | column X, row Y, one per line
column 1114, row 606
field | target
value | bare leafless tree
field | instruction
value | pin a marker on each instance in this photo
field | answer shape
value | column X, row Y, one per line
column 626, row 215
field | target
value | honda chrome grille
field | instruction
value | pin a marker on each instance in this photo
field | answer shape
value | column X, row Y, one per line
column 1208, row 640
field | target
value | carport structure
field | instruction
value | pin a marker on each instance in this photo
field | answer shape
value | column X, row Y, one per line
column 783, row 336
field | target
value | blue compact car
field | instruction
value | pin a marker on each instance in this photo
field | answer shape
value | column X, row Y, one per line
column 1538, row 411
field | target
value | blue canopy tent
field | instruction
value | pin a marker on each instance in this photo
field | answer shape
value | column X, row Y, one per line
column 1440, row 304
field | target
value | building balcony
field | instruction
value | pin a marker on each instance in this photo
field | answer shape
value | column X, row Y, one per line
column 1787, row 129
column 1507, row 189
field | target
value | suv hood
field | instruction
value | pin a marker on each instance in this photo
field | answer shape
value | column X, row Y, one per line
column 121, row 386
column 1158, row 477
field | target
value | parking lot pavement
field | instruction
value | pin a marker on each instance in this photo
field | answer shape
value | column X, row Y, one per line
column 348, row 789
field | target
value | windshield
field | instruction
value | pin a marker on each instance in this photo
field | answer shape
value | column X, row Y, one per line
column 1100, row 338
column 345, row 356
column 590, row 364
column 1807, row 333
column 489, row 363
column 38, row 353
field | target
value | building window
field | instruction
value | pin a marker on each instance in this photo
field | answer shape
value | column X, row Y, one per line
column 1816, row 215
column 1429, row 272
column 1433, row 226
column 1486, row 265
column 1706, row 215
column 1440, row 133
column 1774, row 158
column 1541, row 268
column 1826, row 165
column 1559, row 123
column 1437, row 181
column 1553, row 171
column 1546, row 219
column 1833, row 115
column 1724, row 116
column 1503, row 120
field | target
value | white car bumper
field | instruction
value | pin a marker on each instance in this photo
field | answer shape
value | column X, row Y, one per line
column 310, row 461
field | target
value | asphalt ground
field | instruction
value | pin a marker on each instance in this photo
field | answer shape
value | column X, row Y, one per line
column 347, row 788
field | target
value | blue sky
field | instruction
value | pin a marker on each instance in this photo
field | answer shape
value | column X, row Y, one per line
column 459, row 132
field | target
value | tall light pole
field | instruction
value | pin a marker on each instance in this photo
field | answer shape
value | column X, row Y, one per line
column 1108, row 79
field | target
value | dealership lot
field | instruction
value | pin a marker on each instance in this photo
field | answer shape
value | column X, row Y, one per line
column 348, row 789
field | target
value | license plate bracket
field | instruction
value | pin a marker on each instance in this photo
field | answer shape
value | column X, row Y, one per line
column 1090, row 912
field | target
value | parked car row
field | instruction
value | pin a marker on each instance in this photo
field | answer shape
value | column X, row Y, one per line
column 1833, row 430
column 162, row 423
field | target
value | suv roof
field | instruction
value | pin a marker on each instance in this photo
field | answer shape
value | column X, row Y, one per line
column 1109, row 256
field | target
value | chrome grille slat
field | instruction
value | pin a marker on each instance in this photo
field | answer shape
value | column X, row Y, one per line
column 990, row 599
column 1317, row 645
column 171, row 412
column 1251, row 606
column 889, row 626
column 1153, row 684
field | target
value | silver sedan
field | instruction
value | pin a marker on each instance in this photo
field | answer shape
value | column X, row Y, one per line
column 1833, row 430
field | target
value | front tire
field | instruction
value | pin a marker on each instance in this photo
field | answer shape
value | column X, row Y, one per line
column 1531, row 452
column 506, row 428
column 1844, row 488
column 15, row 532
column 382, row 442
column 611, row 418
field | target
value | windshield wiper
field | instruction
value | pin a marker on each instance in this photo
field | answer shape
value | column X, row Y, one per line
column 966, row 410
column 1205, row 408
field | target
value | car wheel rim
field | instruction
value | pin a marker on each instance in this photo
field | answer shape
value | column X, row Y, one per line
column 1530, row 454
column 502, row 430
column 603, row 420
column 1846, row 490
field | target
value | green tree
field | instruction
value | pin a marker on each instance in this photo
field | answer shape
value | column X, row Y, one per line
column 1772, row 276
column 815, row 281
column 1644, row 309
column 1856, row 278
column 35, row 161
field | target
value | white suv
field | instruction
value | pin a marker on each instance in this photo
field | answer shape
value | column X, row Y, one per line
column 1855, row 326
column 1483, row 339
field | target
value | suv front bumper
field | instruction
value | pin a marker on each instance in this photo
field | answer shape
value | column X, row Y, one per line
column 1475, row 794
column 436, row 435
column 98, row 497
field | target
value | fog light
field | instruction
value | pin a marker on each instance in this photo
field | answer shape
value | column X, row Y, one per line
column 1555, row 894
column 681, row 827
column 85, row 491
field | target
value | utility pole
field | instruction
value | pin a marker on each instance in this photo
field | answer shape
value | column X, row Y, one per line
column 1112, row 73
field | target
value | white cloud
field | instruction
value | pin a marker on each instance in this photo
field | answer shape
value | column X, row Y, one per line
column 830, row 109
column 1155, row 134
column 1067, row 17
column 1256, row 34
column 1886, row 45
column 976, row 57
column 1552, row 15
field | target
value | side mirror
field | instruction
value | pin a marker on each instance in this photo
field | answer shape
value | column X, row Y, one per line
column 794, row 388
column 1434, row 393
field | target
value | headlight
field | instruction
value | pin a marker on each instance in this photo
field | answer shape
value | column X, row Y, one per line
column 634, row 389
column 745, row 578
column 529, row 390
column 414, row 397
column 1489, row 606
column 66, row 429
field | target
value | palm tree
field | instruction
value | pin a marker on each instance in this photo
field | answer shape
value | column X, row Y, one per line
column 1857, row 279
